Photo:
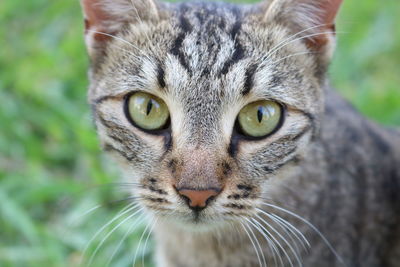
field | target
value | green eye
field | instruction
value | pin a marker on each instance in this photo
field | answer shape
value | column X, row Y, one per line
column 260, row 118
column 147, row 111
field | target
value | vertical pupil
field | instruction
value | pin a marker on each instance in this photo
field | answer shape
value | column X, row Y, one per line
column 149, row 106
column 260, row 114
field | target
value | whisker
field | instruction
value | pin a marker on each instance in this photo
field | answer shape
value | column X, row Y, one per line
column 305, row 37
column 282, row 238
column 268, row 240
column 273, row 247
column 293, row 55
column 116, row 184
column 294, row 35
column 89, row 211
column 258, row 243
column 312, row 227
column 252, row 242
column 288, row 233
column 124, row 199
column 147, row 239
column 273, row 51
column 123, row 41
column 305, row 243
column 303, row 240
column 279, row 224
column 116, row 38
column 130, row 230
column 265, row 233
column 110, row 233
column 125, row 184
column 128, row 208
column 140, row 241
column 141, row 21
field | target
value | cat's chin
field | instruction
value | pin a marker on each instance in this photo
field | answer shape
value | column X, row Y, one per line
column 200, row 226
column 193, row 223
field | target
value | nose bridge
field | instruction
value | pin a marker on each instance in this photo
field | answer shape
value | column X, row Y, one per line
column 199, row 170
column 202, row 111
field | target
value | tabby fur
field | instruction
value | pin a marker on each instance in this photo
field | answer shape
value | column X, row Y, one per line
column 206, row 60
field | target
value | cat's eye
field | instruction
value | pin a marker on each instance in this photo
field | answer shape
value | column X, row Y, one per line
column 259, row 119
column 147, row 111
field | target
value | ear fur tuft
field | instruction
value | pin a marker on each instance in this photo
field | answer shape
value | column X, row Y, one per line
column 314, row 19
column 104, row 18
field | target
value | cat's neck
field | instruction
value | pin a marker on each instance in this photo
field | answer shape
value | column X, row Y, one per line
column 201, row 248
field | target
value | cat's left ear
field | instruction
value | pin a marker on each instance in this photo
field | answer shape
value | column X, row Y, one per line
column 106, row 18
column 312, row 20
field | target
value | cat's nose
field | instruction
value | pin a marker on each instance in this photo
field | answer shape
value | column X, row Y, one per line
column 198, row 199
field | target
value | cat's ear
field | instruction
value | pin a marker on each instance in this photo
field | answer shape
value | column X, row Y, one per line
column 313, row 20
column 105, row 18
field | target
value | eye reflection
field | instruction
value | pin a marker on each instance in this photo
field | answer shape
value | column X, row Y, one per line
column 147, row 111
column 260, row 118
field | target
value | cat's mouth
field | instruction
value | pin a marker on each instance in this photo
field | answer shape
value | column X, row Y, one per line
column 198, row 221
column 217, row 213
column 195, row 208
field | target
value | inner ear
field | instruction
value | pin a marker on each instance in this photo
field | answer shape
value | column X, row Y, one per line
column 314, row 19
column 106, row 18
column 101, row 16
column 95, row 13
column 329, row 11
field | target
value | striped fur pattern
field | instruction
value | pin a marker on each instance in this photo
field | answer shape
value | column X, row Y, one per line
column 326, row 164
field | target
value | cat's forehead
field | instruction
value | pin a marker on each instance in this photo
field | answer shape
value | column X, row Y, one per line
column 219, row 51
column 212, row 53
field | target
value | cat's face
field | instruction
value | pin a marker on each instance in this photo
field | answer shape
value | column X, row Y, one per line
column 207, row 107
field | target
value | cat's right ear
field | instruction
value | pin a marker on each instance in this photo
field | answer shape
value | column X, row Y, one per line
column 312, row 21
column 106, row 18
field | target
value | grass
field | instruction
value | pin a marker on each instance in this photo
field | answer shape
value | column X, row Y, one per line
column 49, row 153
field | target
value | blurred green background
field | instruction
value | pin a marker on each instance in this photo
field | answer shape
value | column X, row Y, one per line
column 49, row 154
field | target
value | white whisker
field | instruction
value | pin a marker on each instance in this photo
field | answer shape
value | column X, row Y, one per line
column 140, row 241
column 272, row 52
column 292, row 55
column 141, row 21
column 123, row 41
column 257, row 242
column 266, row 234
column 252, row 242
column 312, row 227
column 128, row 208
column 288, row 233
column 270, row 243
column 303, row 240
column 284, row 240
column 109, row 234
column 293, row 36
column 278, row 224
column 130, row 230
column 86, row 213
column 147, row 239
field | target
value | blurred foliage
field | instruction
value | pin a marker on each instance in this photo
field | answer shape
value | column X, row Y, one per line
column 366, row 69
column 49, row 153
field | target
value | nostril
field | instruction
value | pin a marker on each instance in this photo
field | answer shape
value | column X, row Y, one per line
column 209, row 200
column 185, row 198
column 198, row 198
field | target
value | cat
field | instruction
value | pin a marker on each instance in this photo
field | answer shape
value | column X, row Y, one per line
column 222, row 119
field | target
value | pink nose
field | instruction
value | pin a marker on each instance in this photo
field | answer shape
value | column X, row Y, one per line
column 198, row 198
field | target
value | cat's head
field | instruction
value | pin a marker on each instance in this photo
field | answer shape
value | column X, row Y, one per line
column 207, row 106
